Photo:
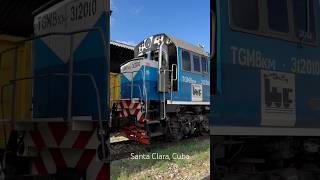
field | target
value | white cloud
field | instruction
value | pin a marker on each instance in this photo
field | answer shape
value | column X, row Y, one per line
column 137, row 10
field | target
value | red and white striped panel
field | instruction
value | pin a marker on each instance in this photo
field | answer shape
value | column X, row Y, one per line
column 50, row 160
column 131, row 107
column 129, row 104
column 59, row 135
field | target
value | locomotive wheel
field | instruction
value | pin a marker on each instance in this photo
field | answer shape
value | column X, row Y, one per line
column 176, row 128
column 205, row 129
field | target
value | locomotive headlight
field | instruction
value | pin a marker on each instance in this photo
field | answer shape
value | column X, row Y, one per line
column 157, row 40
column 148, row 43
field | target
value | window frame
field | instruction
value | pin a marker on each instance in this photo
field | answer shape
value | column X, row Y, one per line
column 198, row 72
column 191, row 54
column 279, row 34
column 207, row 64
column 316, row 40
column 264, row 29
column 233, row 25
column 181, row 60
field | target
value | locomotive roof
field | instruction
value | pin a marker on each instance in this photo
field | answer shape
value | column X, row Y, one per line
column 122, row 45
column 187, row 46
column 146, row 45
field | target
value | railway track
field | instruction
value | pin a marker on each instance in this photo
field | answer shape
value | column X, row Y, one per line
column 123, row 149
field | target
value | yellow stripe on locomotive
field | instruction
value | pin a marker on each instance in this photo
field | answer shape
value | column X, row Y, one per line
column 23, row 88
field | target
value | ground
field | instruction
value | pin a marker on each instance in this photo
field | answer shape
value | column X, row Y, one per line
column 191, row 161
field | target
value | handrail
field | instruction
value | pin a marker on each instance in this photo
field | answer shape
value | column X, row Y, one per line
column 90, row 76
column 164, row 92
column 135, row 85
column 173, row 79
column 145, row 90
column 171, row 87
column 100, row 30
column 132, row 84
column 70, row 74
column 143, row 95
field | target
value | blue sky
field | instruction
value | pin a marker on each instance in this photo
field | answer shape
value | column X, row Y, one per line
column 134, row 20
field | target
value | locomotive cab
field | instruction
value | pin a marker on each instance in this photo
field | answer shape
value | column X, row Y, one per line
column 151, row 71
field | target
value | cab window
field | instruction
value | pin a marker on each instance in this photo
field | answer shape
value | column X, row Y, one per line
column 291, row 20
column 186, row 61
column 196, row 63
column 278, row 15
column 204, row 64
column 245, row 14
column 304, row 20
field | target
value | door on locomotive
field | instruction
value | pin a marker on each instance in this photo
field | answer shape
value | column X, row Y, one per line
column 163, row 69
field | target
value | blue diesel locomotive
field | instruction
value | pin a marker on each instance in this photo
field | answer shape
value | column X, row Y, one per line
column 265, row 95
column 164, row 90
